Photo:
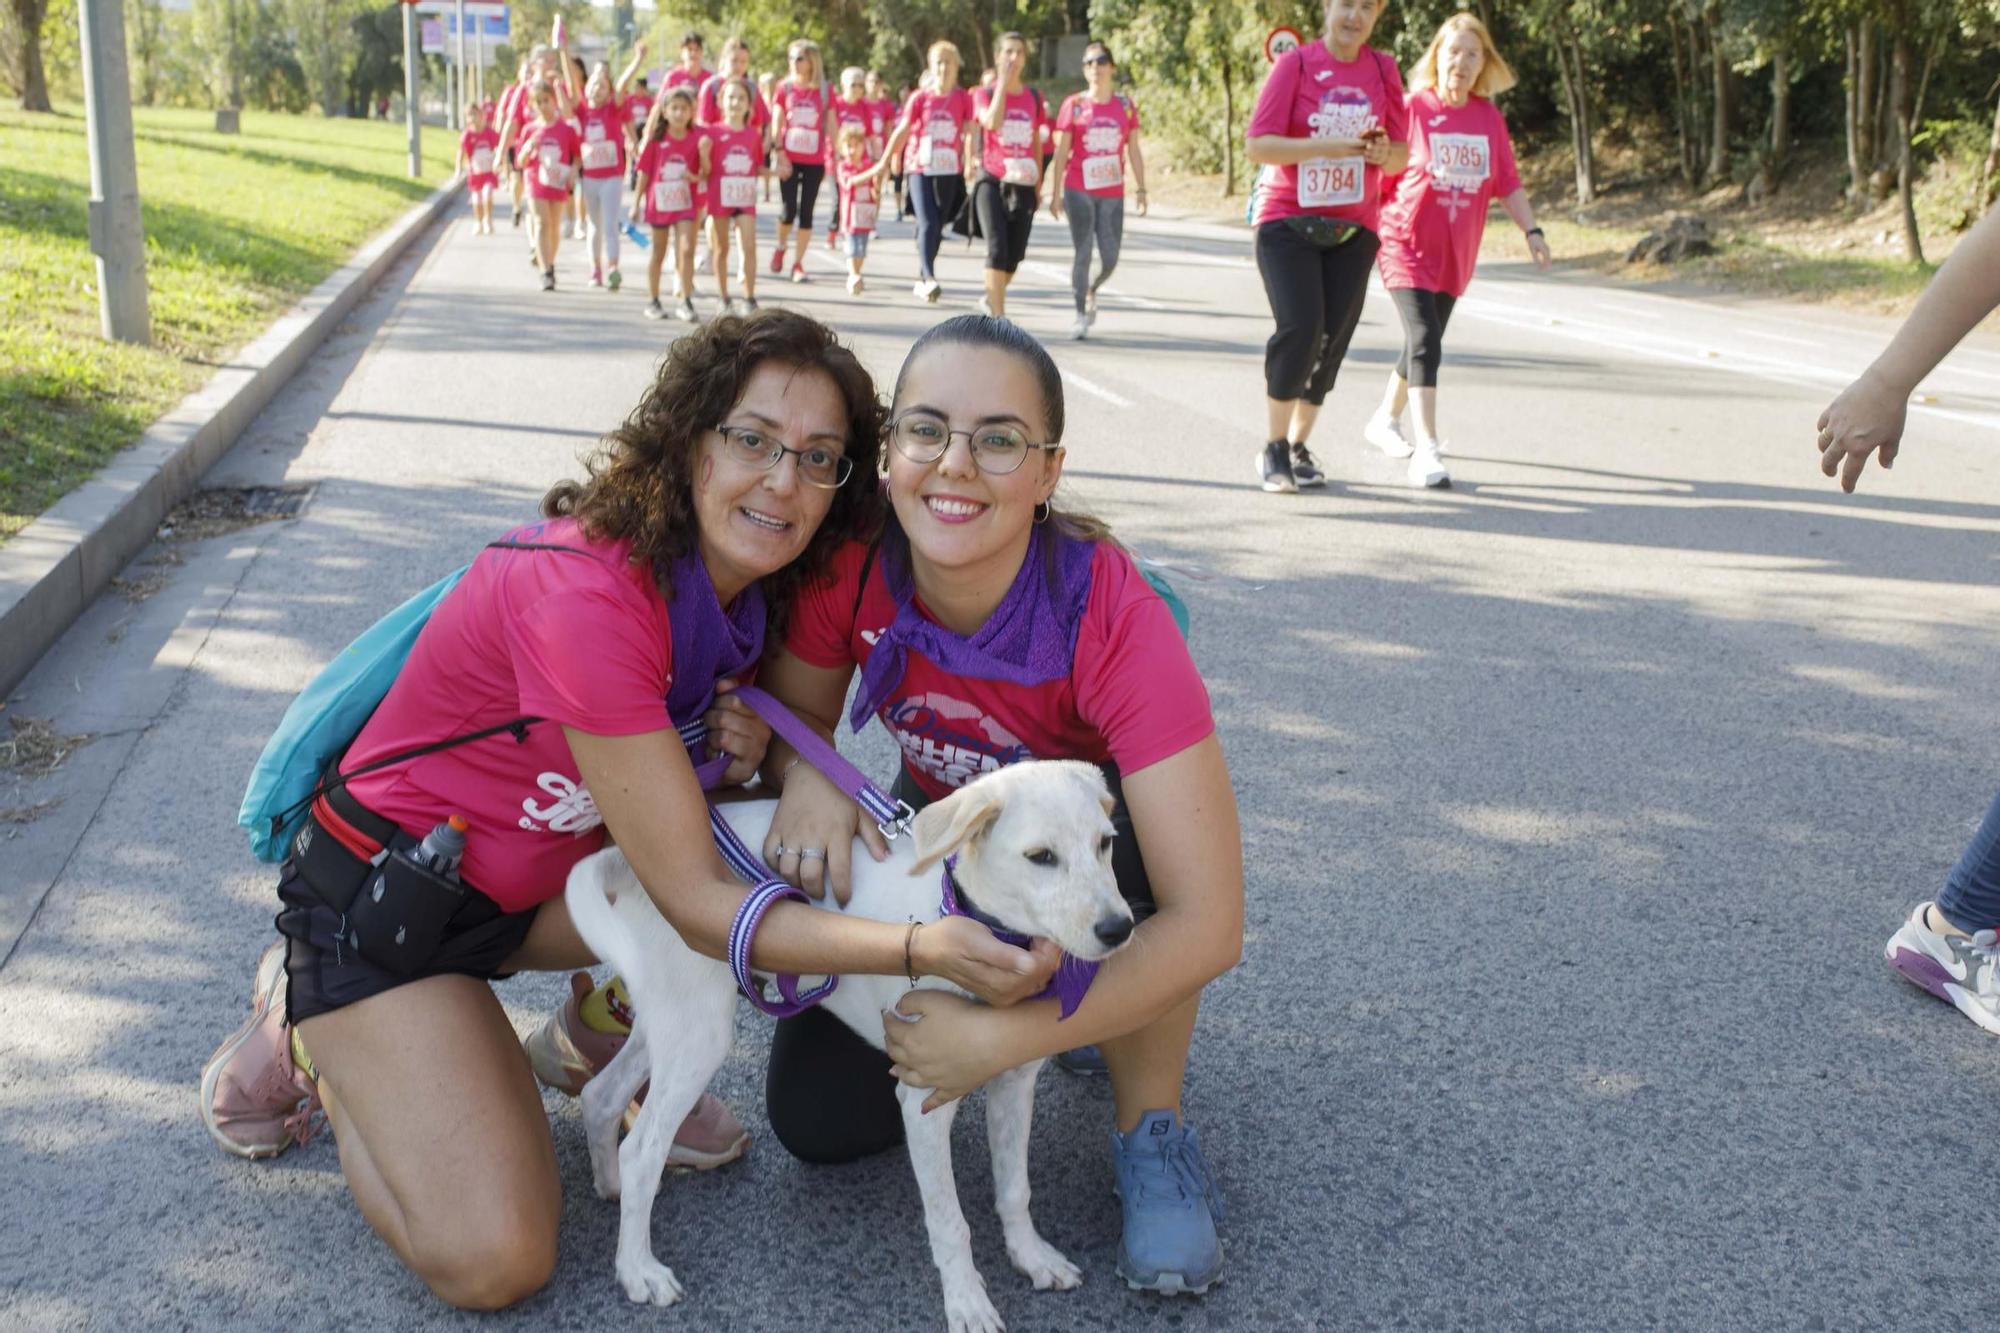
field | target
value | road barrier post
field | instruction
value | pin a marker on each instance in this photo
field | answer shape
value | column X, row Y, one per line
column 117, row 232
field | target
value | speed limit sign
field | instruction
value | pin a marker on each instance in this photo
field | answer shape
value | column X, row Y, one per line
column 1281, row 40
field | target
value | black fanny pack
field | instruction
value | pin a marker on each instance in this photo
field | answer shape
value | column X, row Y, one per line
column 1325, row 233
column 394, row 912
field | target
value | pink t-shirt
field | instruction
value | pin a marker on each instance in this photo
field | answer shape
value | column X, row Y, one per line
column 667, row 170
column 1132, row 697
column 549, row 155
column 734, row 159
column 840, row 114
column 603, row 138
column 1014, row 155
column 708, row 112
column 804, row 110
column 1098, row 134
column 1461, row 159
column 860, row 201
column 479, row 147
column 937, row 127
column 583, row 641
column 1310, row 95
column 883, row 115
column 681, row 74
column 638, row 106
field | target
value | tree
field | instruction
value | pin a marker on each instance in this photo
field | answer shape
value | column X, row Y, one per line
column 144, row 20
column 29, row 77
column 322, row 33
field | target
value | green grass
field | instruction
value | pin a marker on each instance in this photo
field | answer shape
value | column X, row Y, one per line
column 238, row 227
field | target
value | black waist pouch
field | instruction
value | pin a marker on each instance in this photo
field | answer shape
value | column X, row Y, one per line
column 1324, row 233
column 399, row 914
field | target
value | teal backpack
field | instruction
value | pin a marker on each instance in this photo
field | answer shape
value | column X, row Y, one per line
column 325, row 719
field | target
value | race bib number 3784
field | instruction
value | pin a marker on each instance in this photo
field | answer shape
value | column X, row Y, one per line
column 1331, row 182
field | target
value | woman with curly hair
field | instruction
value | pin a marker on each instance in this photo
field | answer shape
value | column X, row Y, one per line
column 609, row 627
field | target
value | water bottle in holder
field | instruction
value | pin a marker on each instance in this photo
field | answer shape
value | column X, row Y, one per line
column 443, row 848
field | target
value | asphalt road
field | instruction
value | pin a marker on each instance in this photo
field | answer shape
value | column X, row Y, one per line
column 1578, row 802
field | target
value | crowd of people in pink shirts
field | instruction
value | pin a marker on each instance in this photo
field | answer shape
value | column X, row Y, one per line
column 1361, row 175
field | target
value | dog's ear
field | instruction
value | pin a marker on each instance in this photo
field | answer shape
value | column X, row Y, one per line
column 942, row 827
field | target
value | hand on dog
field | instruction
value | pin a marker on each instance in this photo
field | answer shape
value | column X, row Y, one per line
column 942, row 1041
column 736, row 731
column 960, row 950
column 812, row 812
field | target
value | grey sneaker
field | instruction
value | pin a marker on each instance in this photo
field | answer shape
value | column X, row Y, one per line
column 1963, row 971
column 1274, row 466
column 654, row 310
column 1305, row 468
column 1171, row 1207
column 685, row 312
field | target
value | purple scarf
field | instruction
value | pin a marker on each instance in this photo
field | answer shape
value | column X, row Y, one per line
column 1029, row 639
column 709, row 644
column 1073, row 975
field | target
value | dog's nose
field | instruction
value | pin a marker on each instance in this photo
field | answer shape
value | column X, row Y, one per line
column 1114, row 930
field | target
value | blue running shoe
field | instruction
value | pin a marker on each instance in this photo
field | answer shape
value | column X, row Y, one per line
column 1085, row 1060
column 1171, row 1208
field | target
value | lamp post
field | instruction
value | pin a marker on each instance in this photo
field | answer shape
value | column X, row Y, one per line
column 117, row 232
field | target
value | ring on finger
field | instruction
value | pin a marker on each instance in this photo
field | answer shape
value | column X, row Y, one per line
column 781, row 851
column 812, row 853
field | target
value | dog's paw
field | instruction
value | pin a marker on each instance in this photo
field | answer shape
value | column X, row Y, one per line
column 1044, row 1265
column 648, row 1281
column 967, row 1308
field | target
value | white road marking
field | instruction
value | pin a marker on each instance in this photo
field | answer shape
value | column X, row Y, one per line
column 1626, row 310
column 1095, row 390
column 1056, row 273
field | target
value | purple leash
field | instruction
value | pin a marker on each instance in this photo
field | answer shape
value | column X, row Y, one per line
column 890, row 815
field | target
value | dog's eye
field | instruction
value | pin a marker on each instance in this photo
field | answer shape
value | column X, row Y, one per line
column 1041, row 856
column 1104, row 845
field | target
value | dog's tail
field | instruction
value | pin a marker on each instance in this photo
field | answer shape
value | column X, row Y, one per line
column 597, row 886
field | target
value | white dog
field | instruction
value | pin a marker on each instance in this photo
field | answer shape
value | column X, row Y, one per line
column 1034, row 853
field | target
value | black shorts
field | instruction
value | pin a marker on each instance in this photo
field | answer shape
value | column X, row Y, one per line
column 326, row 974
column 1006, row 215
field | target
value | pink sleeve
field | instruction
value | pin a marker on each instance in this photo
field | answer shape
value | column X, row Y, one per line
column 1136, row 685
column 582, row 658
column 1506, row 173
column 822, row 615
column 1274, row 101
column 1064, row 121
column 1396, row 116
column 910, row 109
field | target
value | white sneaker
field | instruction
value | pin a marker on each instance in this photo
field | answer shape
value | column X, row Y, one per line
column 854, row 284
column 1386, row 434
column 932, row 290
column 986, row 307
column 1962, row 971
column 1081, row 329
column 920, row 289
column 1427, row 470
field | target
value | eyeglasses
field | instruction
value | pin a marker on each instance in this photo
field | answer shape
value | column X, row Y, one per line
column 818, row 466
column 1088, row 61
column 997, row 450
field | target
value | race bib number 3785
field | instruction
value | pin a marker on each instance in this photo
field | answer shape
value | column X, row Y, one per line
column 1460, row 161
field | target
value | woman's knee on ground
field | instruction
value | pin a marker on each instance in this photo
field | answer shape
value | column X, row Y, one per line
column 489, row 1258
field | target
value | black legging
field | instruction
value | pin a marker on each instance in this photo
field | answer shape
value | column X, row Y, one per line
column 828, row 1093
column 1424, row 316
column 1316, row 298
column 1006, row 215
column 800, row 191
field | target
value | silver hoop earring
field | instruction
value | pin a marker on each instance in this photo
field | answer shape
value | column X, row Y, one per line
column 1042, row 512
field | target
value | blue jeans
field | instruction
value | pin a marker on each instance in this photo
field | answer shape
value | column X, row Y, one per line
column 937, row 200
column 1971, row 897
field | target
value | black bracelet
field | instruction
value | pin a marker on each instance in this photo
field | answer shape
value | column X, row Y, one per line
column 1533, row 231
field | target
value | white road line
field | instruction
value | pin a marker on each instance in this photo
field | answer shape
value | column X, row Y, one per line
column 1095, row 390
column 1626, row 310
column 1056, row 273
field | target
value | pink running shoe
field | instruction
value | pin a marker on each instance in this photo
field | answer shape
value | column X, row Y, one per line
column 566, row 1052
column 254, row 1100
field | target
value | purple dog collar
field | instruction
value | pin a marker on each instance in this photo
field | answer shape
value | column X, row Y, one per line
column 1073, row 975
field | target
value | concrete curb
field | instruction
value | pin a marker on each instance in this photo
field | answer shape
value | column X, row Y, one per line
column 53, row 568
